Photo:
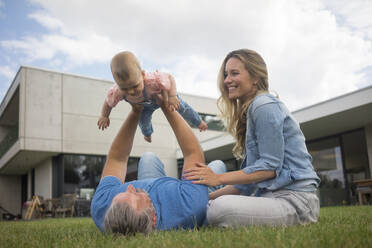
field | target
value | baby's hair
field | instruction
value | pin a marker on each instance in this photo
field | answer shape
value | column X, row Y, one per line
column 123, row 64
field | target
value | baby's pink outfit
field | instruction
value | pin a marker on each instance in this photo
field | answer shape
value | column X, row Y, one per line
column 154, row 83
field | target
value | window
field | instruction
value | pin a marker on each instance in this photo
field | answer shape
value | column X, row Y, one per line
column 327, row 162
column 82, row 174
column 339, row 161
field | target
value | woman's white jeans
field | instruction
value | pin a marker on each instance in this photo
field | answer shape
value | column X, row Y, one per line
column 278, row 208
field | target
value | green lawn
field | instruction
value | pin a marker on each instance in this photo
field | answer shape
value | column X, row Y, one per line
column 337, row 227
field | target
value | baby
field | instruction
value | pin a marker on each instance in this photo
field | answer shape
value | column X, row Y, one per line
column 136, row 86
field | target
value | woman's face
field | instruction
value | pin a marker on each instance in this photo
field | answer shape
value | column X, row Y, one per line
column 238, row 82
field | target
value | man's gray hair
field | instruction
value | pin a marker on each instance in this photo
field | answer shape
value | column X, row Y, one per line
column 122, row 218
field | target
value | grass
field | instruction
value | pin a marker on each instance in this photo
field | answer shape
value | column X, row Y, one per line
column 337, row 227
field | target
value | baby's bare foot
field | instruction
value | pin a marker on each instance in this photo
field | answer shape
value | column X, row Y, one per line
column 203, row 126
column 148, row 139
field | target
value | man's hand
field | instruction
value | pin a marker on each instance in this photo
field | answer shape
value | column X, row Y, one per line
column 103, row 122
column 136, row 108
column 174, row 103
column 160, row 101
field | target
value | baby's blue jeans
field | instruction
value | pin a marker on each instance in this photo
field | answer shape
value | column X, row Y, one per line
column 185, row 110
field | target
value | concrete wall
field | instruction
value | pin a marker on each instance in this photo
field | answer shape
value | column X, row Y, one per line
column 204, row 105
column 42, row 110
column 368, row 133
column 43, row 179
column 3, row 132
column 10, row 194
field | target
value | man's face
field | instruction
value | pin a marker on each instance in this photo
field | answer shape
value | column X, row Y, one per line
column 137, row 199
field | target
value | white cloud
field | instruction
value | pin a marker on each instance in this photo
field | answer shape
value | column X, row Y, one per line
column 7, row 72
column 311, row 55
column 84, row 50
column 196, row 75
column 46, row 20
column 355, row 14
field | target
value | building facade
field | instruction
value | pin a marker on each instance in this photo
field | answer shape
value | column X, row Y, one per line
column 50, row 144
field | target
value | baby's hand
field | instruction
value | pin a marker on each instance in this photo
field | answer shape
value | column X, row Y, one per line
column 103, row 122
column 173, row 103
column 203, row 126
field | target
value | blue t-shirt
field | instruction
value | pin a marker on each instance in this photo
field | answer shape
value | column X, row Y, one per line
column 178, row 203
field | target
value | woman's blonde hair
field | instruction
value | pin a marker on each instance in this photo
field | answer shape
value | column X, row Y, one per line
column 233, row 111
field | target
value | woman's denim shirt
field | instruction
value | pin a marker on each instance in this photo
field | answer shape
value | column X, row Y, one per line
column 274, row 141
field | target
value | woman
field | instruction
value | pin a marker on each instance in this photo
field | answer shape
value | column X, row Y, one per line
column 277, row 182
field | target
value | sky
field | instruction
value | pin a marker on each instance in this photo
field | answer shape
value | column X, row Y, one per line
column 314, row 50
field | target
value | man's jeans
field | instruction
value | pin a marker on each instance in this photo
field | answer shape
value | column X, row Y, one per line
column 150, row 166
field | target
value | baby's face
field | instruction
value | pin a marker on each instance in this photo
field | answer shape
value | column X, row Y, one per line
column 132, row 87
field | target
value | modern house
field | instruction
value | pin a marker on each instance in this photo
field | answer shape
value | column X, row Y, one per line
column 50, row 144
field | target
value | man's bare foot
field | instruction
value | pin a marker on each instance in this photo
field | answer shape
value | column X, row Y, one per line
column 148, row 139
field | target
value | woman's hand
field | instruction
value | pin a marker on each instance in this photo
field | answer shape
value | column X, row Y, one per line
column 202, row 174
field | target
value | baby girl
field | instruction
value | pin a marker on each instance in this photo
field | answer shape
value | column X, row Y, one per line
column 136, row 86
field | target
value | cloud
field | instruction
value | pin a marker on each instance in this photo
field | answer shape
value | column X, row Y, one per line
column 196, row 74
column 7, row 72
column 46, row 20
column 314, row 49
column 84, row 50
column 355, row 14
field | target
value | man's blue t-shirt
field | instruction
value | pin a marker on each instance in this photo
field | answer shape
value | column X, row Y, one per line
column 178, row 203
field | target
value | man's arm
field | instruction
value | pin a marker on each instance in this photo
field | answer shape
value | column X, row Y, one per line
column 173, row 88
column 189, row 144
column 116, row 163
column 172, row 98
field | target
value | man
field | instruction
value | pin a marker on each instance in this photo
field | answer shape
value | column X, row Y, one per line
column 143, row 205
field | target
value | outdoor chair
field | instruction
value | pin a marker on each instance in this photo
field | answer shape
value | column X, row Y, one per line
column 67, row 205
column 36, row 207
column 50, row 206
column 364, row 189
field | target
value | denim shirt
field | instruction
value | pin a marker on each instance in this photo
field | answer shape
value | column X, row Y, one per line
column 274, row 141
